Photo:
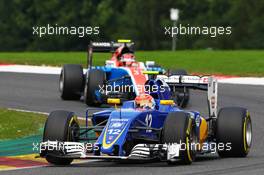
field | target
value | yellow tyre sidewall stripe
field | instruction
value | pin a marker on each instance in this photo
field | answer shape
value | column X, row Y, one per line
column 188, row 150
column 187, row 140
column 73, row 119
column 246, row 147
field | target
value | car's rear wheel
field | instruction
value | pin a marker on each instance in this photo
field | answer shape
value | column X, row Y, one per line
column 94, row 83
column 235, row 129
column 180, row 95
column 178, row 128
column 57, row 128
column 71, row 82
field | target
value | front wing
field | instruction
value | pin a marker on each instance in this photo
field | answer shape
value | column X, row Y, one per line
column 77, row 150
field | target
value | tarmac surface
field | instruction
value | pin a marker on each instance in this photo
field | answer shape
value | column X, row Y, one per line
column 39, row 92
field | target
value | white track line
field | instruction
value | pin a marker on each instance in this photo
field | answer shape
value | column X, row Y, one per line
column 22, row 110
column 243, row 80
column 30, row 69
column 38, row 112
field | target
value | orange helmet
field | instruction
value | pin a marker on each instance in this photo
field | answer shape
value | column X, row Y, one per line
column 145, row 101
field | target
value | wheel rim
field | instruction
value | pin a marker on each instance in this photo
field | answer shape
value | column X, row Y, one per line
column 248, row 133
column 85, row 92
column 61, row 85
column 75, row 131
column 85, row 86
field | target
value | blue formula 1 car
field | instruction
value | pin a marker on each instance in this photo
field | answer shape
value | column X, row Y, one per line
column 121, row 77
column 151, row 127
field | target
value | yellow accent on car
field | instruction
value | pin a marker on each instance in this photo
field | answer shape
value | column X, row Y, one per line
column 150, row 72
column 74, row 118
column 167, row 102
column 189, row 127
column 113, row 101
column 188, row 150
column 203, row 130
column 106, row 145
column 245, row 133
column 124, row 41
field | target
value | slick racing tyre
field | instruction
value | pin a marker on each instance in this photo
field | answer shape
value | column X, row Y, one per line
column 181, row 95
column 95, row 79
column 234, row 127
column 71, row 82
column 178, row 128
column 57, row 129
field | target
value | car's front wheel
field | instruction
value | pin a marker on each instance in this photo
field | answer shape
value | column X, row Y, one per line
column 60, row 126
column 178, row 128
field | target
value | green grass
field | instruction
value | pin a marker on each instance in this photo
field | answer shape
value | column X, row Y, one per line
column 240, row 62
column 16, row 124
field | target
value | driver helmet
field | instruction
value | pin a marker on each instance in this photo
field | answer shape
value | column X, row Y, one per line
column 145, row 101
column 127, row 59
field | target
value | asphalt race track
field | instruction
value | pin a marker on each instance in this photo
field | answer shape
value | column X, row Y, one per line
column 35, row 92
column 40, row 93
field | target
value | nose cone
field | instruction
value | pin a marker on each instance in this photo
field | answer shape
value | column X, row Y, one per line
column 116, row 130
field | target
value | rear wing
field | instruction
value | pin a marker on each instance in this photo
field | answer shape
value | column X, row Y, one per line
column 106, row 47
column 205, row 83
column 110, row 46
